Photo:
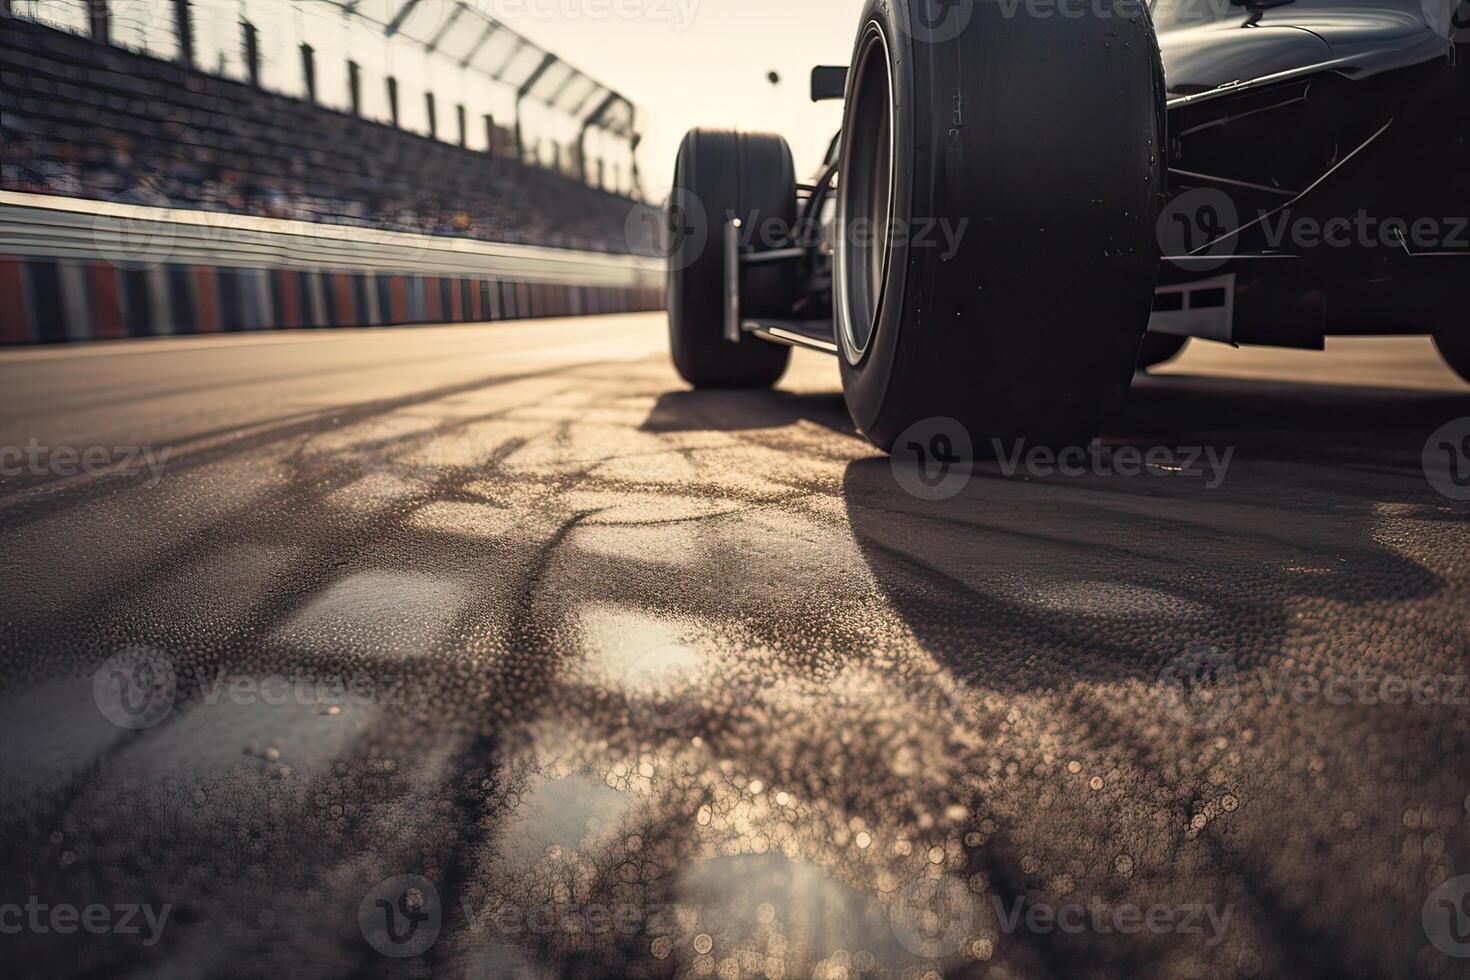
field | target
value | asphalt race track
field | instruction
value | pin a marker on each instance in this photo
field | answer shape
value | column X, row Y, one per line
column 638, row 681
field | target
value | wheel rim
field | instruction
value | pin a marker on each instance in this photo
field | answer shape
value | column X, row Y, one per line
column 865, row 197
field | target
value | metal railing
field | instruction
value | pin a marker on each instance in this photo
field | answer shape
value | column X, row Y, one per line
column 139, row 236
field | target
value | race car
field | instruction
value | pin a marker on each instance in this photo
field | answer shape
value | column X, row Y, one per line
column 1030, row 199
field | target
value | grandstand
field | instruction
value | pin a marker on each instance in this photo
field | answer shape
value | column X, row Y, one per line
column 93, row 120
column 170, row 106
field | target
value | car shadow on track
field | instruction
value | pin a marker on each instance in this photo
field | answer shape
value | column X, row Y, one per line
column 1291, row 420
column 738, row 410
column 1090, row 603
column 1105, row 576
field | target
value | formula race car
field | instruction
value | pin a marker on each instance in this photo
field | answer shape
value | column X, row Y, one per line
column 1028, row 199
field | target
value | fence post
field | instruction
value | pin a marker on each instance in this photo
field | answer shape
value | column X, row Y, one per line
column 252, row 52
column 308, row 71
column 184, row 25
column 99, row 21
column 354, row 87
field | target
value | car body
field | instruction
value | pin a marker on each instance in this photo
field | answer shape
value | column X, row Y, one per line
column 1286, row 121
column 1333, row 136
column 1273, row 172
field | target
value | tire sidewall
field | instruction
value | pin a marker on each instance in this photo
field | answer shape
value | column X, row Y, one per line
column 868, row 380
column 1026, row 326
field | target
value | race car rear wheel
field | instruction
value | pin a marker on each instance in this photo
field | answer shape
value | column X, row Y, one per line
column 721, row 175
column 999, row 186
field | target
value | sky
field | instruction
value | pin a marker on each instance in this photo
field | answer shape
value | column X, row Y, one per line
column 689, row 63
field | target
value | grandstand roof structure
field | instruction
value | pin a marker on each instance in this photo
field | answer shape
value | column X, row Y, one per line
column 456, row 30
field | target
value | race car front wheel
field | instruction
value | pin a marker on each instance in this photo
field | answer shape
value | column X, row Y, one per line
column 999, row 186
column 722, row 175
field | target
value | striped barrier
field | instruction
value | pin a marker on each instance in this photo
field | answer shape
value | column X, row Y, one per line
column 50, row 300
column 61, row 279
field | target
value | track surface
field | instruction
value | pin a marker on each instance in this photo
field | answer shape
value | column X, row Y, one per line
column 659, row 683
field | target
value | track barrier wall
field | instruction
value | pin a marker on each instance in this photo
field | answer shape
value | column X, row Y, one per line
column 73, row 269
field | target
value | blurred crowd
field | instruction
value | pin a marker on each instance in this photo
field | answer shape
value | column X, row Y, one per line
column 183, row 139
column 517, row 204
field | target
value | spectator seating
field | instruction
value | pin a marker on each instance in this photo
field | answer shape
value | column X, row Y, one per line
column 90, row 120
